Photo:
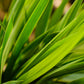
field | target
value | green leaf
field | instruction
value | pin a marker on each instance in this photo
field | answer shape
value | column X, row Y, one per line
column 57, row 14
column 27, row 30
column 12, row 5
column 79, row 81
column 33, row 61
column 7, row 33
column 52, row 59
column 28, row 49
column 14, row 32
column 55, row 53
column 70, row 67
column 2, row 26
column 72, row 77
column 13, row 82
column 2, row 30
column 70, row 15
column 18, row 4
column 42, row 24
column 30, row 7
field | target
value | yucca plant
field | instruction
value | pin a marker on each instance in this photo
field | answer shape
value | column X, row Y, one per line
column 55, row 56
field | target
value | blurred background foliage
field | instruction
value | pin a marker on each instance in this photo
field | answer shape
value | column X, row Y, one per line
column 4, row 6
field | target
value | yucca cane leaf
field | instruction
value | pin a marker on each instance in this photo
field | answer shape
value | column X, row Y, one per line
column 2, row 26
column 57, row 14
column 54, row 28
column 31, row 23
column 27, row 2
column 35, row 61
column 7, row 33
column 80, row 9
column 77, row 52
column 42, row 24
column 74, row 54
column 29, row 47
column 1, row 36
column 2, row 30
column 79, row 48
column 36, row 43
column 18, row 6
column 71, row 57
column 35, row 58
column 17, row 28
column 26, row 52
column 31, row 8
column 79, row 81
column 13, row 82
column 12, row 5
column 47, row 39
column 28, row 11
column 53, row 58
column 75, row 10
column 16, row 9
column 70, row 67
column 72, row 77
column 30, row 3
column 27, row 30
column 70, row 15
column 40, row 56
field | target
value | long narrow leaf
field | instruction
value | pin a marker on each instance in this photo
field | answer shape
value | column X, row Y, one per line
column 53, row 58
column 27, row 30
